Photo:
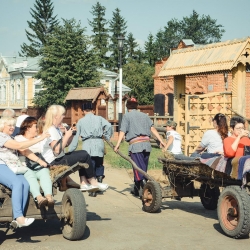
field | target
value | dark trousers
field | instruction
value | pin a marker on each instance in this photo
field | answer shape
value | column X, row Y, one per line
column 98, row 165
column 74, row 157
column 141, row 160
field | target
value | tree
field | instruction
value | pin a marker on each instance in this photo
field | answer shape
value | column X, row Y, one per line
column 117, row 28
column 67, row 61
column 138, row 76
column 43, row 24
column 202, row 30
column 101, row 36
column 149, row 47
column 131, row 46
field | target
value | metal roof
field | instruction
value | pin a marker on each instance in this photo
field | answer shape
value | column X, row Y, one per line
column 207, row 58
column 86, row 93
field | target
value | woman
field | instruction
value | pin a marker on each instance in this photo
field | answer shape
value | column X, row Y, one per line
column 53, row 150
column 28, row 131
column 212, row 140
column 234, row 144
column 17, row 183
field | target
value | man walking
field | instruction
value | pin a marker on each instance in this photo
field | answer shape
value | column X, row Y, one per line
column 92, row 128
column 19, row 121
column 137, row 128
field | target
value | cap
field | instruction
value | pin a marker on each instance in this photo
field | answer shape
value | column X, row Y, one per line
column 171, row 123
column 87, row 105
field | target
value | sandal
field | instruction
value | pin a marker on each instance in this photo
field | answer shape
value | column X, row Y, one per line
column 51, row 201
column 41, row 202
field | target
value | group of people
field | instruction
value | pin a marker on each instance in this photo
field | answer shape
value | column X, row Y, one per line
column 225, row 140
column 29, row 149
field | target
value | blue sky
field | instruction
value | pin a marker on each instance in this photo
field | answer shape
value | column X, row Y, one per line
column 142, row 16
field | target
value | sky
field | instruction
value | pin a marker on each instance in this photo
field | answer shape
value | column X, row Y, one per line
column 142, row 16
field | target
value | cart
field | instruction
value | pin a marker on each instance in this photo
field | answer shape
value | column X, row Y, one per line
column 233, row 203
column 71, row 211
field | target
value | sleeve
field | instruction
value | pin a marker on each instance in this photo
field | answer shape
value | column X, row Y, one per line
column 107, row 129
column 74, row 142
column 54, row 134
column 205, row 139
column 227, row 146
column 150, row 122
column 125, row 124
column 4, row 138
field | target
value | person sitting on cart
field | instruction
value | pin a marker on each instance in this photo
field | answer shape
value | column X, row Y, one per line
column 137, row 127
column 16, row 182
column 212, row 140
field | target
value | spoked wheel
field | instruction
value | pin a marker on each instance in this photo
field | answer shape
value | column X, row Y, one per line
column 151, row 197
column 234, row 211
column 74, row 214
column 209, row 196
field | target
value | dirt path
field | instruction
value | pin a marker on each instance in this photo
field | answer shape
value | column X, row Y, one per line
column 115, row 220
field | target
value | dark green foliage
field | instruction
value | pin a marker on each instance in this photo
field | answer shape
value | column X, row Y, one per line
column 149, row 47
column 138, row 76
column 131, row 47
column 41, row 26
column 117, row 28
column 67, row 62
column 100, row 37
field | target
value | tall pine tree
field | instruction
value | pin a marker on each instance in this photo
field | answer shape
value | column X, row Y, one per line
column 117, row 28
column 68, row 61
column 149, row 47
column 43, row 24
column 100, row 37
column 131, row 47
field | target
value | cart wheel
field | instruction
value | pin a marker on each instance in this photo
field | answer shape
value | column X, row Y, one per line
column 151, row 197
column 233, row 212
column 74, row 214
column 209, row 196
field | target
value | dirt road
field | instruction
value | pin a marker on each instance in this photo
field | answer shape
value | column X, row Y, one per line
column 115, row 220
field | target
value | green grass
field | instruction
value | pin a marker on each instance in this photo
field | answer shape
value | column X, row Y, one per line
column 114, row 160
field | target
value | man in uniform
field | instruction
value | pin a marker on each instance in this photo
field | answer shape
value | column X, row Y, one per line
column 137, row 128
column 92, row 128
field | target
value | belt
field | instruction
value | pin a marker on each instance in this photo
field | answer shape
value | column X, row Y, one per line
column 94, row 137
column 139, row 139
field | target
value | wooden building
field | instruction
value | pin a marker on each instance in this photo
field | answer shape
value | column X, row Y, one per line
column 205, row 80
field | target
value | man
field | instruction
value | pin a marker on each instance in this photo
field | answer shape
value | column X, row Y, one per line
column 137, row 128
column 9, row 113
column 92, row 128
column 19, row 121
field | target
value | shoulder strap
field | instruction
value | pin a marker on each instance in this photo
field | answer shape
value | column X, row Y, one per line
column 60, row 150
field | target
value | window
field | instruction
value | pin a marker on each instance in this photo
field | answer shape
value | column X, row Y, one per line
column 12, row 92
column 3, row 93
column 18, row 94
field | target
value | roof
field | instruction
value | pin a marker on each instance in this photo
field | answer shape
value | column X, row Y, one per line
column 21, row 63
column 86, row 93
column 188, row 42
column 107, row 72
column 207, row 58
column 125, row 88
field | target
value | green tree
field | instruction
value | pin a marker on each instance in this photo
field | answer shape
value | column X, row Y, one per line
column 131, row 47
column 138, row 76
column 149, row 47
column 43, row 24
column 201, row 29
column 117, row 28
column 101, row 36
column 67, row 61
column 160, row 45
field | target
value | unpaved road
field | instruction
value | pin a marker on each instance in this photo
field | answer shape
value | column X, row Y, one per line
column 115, row 220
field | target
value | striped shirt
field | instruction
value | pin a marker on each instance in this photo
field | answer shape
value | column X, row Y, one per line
column 134, row 124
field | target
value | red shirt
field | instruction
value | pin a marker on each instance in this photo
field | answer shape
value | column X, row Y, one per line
column 227, row 144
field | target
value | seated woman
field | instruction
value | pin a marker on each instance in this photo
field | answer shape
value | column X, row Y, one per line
column 234, row 144
column 17, row 183
column 212, row 140
column 39, row 171
column 53, row 150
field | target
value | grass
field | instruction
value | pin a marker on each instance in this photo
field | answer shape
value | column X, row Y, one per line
column 114, row 160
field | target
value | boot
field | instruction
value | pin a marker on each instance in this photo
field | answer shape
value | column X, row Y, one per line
column 136, row 189
column 143, row 183
column 100, row 178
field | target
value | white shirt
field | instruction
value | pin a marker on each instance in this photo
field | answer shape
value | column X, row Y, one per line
column 212, row 141
column 175, row 146
column 47, row 152
column 20, row 119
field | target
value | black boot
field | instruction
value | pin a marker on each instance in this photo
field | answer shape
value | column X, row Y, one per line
column 136, row 189
column 99, row 178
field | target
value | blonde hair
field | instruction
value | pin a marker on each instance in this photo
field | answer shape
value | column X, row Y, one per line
column 52, row 111
column 6, row 121
column 9, row 113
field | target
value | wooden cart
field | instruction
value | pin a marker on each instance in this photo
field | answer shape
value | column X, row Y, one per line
column 233, row 203
column 71, row 210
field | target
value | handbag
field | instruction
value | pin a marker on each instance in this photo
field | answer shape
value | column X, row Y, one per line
column 246, row 150
column 33, row 164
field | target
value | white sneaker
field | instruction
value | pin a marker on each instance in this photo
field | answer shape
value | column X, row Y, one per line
column 28, row 221
column 102, row 186
column 89, row 188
